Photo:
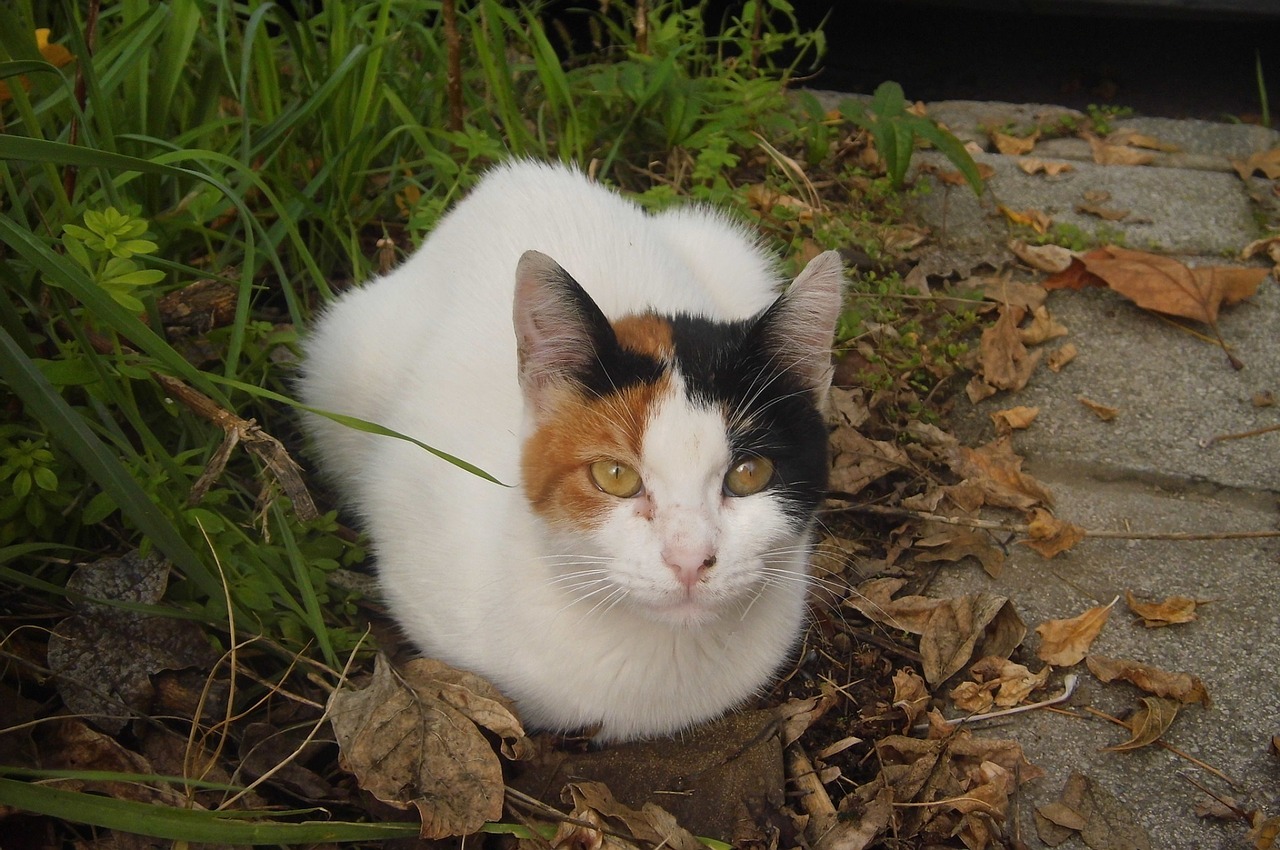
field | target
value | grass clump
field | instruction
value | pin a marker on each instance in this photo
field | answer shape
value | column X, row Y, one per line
column 186, row 182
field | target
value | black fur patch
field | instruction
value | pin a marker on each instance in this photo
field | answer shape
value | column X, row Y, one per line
column 614, row 368
column 772, row 411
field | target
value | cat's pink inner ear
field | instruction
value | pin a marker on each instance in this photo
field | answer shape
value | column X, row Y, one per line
column 803, row 320
column 553, row 339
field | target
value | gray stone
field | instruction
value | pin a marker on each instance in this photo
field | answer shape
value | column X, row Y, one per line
column 1231, row 648
column 1234, row 141
column 1145, row 471
column 1174, row 392
column 1172, row 210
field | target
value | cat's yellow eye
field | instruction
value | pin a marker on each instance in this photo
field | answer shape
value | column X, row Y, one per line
column 616, row 478
column 748, row 476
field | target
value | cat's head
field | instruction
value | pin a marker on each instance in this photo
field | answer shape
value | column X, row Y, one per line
column 677, row 461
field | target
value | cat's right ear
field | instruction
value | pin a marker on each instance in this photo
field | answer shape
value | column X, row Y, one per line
column 558, row 327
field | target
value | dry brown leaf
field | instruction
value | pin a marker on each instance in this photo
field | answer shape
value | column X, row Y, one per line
column 1060, row 814
column 847, row 407
column 958, row 178
column 1074, row 276
column 909, row 694
column 1174, row 609
column 1264, row 832
column 1225, row 808
column 1043, row 328
column 650, row 825
column 1015, row 681
column 1105, row 213
column 1269, row 245
column 1102, row 411
column 857, row 461
column 841, row 832
column 950, row 629
column 909, row 614
column 997, row 472
column 1060, row 357
column 1003, row 360
column 1037, row 220
column 1010, row 293
column 956, row 543
column 1165, row 285
column 963, row 747
column 1105, row 154
column 957, row 628
column 105, row 658
column 68, row 743
column 1064, row 643
column 972, row 697
column 1104, row 823
column 1268, row 162
column 410, row 741
column 1033, row 165
column 1046, row 258
column 1050, row 536
column 1134, row 139
column 1014, row 145
column 1014, row 418
column 794, row 717
column 1147, row 724
column 1183, row 687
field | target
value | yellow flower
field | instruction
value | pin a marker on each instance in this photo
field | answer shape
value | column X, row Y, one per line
column 55, row 54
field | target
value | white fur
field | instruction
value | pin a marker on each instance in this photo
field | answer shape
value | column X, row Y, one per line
column 472, row 575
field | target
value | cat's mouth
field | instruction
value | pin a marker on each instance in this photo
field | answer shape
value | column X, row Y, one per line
column 686, row 607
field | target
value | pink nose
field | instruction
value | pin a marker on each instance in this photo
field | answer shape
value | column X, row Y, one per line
column 689, row 565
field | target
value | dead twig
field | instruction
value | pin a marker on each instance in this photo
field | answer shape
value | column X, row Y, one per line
column 262, row 445
column 1177, row 752
column 1222, row 438
column 1023, row 528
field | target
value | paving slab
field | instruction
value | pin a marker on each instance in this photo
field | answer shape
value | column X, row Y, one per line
column 1148, row 470
column 1171, row 210
column 1232, row 648
column 1174, row 391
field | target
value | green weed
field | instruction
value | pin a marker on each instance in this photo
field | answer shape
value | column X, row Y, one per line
column 895, row 131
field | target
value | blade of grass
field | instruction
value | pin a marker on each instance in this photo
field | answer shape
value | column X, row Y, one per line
column 302, row 577
column 358, row 424
column 186, row 824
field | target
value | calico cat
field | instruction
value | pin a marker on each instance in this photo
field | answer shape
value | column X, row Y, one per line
column 654, row 405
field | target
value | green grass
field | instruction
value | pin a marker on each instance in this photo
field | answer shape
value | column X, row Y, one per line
column 234, row 144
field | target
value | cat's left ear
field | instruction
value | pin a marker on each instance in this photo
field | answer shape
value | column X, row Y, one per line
column 800, row 325
column 558, row 327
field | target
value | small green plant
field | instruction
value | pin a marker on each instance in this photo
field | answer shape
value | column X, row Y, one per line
column 1078, row 238
column 904, row 341
column 105, row 248
column 31, row 498
column 895, row 130
column 1100, row 117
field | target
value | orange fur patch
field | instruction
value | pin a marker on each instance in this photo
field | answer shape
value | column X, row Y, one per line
column 578, row 432
column 646, row 334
